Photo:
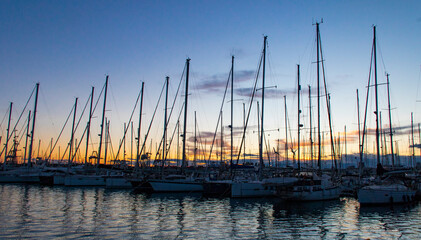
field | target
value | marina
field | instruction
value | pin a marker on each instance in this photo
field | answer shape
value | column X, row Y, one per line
column 310, row 130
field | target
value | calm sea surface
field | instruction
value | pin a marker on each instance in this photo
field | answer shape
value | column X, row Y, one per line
column 37, row 212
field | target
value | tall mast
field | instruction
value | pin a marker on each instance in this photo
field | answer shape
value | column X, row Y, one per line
column 412, row 136
column 107, row 136
column 346, row 152
column 360, row 147
column 7, row 137
column 183, row 163
column 138, row 131
column 377, row 99
column 263, row 107
column 419, row 135
column 26, row 137
column 72, row 137
column 164, row 143
column 33, row 126
column 286, row 132
column 195, row 139
column 319, row 158
column 232, row 108
column 390, row 120
column 131, row 143
column 102, row 122
column 89, row 126
column 222, row 139
column 244, row 135
column 299, row 112
column 311, row 126
column 178, row 143
column 124, row 143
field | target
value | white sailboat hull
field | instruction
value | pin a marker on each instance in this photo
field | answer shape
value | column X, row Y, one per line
column 316, row 195
column 385, row 194
column 84, row 180
column 251, row 189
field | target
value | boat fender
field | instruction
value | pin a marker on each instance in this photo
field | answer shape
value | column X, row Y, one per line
column 391, row 199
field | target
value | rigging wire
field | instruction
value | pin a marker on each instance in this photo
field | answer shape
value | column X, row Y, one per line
column 128, row 125
column 20, row 116
column 250, row 106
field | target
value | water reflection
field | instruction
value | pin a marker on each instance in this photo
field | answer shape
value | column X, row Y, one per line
column 58, row 212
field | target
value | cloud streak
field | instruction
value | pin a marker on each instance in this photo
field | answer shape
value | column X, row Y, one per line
column 217, row 82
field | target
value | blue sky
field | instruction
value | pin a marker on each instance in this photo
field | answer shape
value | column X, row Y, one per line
column 69, row 46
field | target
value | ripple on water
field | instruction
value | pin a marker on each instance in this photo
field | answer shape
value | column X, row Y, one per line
column 95, row 213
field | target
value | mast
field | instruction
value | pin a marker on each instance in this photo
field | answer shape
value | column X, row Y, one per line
column 377, row 100
column 311, row 126
column 183, row 163
column 319, row 158
column 164, row 144
column 72, row 137
column 7, row 137
column 102, row 123
column 299, row 112
column 33, row 126
column 26, row 137
column 419, row 134
column 286, row 132
column 222, row 140
column 138, row 130
column 413, row 144
column 232, row 108
column 244, row 135
column 107, row 136
column 131, row 143
column 263, row 107
column 195, row 139
column 346, row 152
column 360, row 147
column 124, row 144
column 178, row 143
column 89, row 126
column 390, row 120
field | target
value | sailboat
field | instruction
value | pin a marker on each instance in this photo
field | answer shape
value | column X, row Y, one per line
column 86, row 177
column 178, row 182
column 388, row 190
column 311, row 186
column 26, row 174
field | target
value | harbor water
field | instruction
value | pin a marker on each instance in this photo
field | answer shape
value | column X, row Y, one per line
column 41, row 212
